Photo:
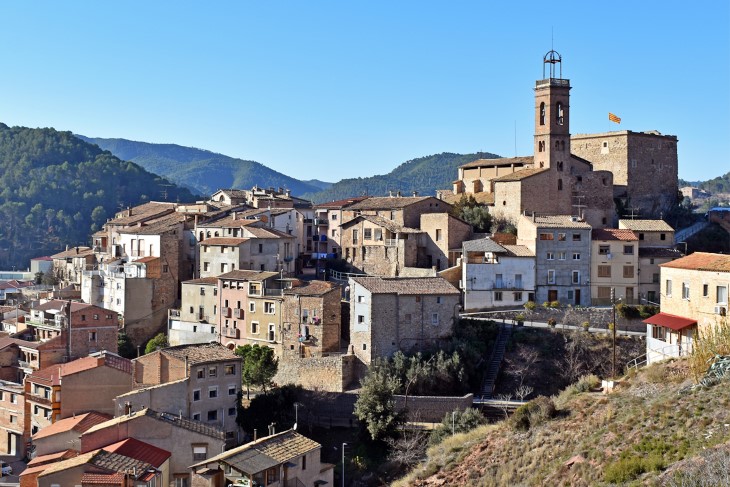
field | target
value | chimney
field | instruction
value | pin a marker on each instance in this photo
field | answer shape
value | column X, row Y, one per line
column 415, row 193
column 281, row 190
column 390, row 193
column 233, row 215
column 128, row 408
column 288, row 193
column 255, row 434
column 533, row 217
column 398, row 194
column 77, row 250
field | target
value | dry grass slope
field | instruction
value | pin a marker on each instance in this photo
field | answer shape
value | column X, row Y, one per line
column 626, row 438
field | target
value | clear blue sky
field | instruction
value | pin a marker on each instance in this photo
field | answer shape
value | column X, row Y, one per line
column 330, row 90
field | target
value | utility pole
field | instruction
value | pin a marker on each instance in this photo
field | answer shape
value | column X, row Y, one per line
column 343, row 464
column 613, row 306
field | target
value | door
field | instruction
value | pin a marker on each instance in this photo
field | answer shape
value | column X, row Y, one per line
column 577, row 297
column 552, row 295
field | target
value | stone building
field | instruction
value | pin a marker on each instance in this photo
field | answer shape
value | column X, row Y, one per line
column 199, row 382
column 694, row 297
column 614, row 265
column 328, row 217
column 579, row 175
column 281, row 459
column 388, row 314
column 496, row 276
column 14, row 428
column 562, row 248
column 312, row 318
column 69, row 265
column 196, row 321
column 656, row 247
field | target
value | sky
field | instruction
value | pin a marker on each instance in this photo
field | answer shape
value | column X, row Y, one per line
column 329, row 90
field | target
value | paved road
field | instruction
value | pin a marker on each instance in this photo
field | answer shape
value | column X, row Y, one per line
column 539, row 324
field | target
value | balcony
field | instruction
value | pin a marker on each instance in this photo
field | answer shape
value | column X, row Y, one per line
column 45, row 323
column 238, row 313
column 391, row 242
column 229, row 332
column 226, row 312
column 273, row 292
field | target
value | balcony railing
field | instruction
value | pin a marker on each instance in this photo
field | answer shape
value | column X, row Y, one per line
column 229, row 332
column 391, row 242
column 273, row 292
column 238, row 313
column 46, row 323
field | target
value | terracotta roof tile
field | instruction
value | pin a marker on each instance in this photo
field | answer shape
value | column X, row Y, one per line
column 313, row 288
column 89, row 479
column 73, row 252
column 503, row 161
column 153, row 209
column 520, row 175
column 339, row 204
column 613, row 234
column 557, row 221
column 646, row 225
column 139, row 450
column 224, row 241
column 247, row 275
column 200, row 353
column 389, row 225
column 701, row 261
column 387, row 202
column 79, row 423
column 53, row 374
column 195, row 426
column 406, row 285
column 519, row 251
column 202, row 280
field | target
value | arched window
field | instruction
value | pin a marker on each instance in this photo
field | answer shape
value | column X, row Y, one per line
column 542, row 113
column 562, row 145
column 560, row 165
column 557, row 144
column 560, row 184
column 559, row 113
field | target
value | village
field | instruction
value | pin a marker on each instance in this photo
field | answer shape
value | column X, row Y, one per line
column 330, row 289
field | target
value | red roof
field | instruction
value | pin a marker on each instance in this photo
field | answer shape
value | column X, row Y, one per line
column 54, row 373
column 139, row 450
column 79, row 423
column 673, row 322
column 102, row 479
column 613, row 234
column 701, row 261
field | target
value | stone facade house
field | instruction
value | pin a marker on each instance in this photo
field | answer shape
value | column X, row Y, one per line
column 388, row 314
column 656, row 247
column 562, row 248
column 279, row 460
column 199, row 382
column 69, row 265
column 614, row 265
column 328, row 217
column 496, row 276
column 13, row 439
column 694, row 297
column 196, row 321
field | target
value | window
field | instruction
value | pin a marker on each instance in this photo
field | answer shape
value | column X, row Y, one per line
column 551, row 276
column 378, row 234
column 438, row 234
column 628, row 250
column 559, row 113
column 230, row 369
column 604, row 271
column 542, row 113
column 705, row 290
column 628, row 271
column 206, row 266
column 685, row 290
column 641, row 236
column 92, row 336
column 196, row 395
column 518, row 297
column 575, row 277
column 546, row 236
column 232, row 411
column 576, row 237
column 434, row 318
column 83, row 317
column 13, row 419
column 560, row 184
column 304, row 462
column 498, row 282
column 561, row 237
column 498, row 295
column 657, row 332
column 561, row 255
column 550, row 256
column 269, row 308
column 655, row 278
column 272, row 332
column 181, row 481
column 272, row 475
column 212, row 371
column 438, row 299
column 231, row 390
column 354, row 235
column 255, row 327
column 213, row 415
column 668, row 287
column 604, row 249
column 576, row 255
column 604, row 292
column 367, row 234
column 213, row 392
column 662, row 236
column 721, row 294
column 252, row 307
column 201, row 373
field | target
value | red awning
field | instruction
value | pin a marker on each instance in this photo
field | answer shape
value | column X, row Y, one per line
column 673, row 322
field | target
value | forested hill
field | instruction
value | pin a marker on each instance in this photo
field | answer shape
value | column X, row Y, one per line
column 424, row 174
column 720, row 184
column 55, row 190
column 200, row 170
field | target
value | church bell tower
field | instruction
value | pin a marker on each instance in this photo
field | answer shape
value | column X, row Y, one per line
column 552, row 115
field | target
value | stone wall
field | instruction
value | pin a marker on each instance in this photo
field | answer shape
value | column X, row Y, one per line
column 332, row 373
column 432, row 409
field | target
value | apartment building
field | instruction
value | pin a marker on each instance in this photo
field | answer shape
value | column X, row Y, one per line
column 614, row 266
column 196, row 321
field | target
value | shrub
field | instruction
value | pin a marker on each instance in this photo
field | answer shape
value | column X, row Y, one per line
column 520, row 318
column 551, row 322
column 546, row 304
column 587, row 383
column 555, row 304
column 530, row 306
column 586, row 325
column 532, row 414
column 457, row 422
column 628, row 468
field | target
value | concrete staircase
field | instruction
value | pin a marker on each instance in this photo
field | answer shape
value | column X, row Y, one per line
column 495, row 361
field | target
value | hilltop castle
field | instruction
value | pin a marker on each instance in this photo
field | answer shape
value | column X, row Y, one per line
column 586, row 175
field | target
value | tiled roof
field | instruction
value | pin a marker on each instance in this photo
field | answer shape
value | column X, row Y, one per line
column 201, row 353
column 229, row 222
column 519, row 251
column 145, row 260
column 15, row 284
column 195, row 426
column 223, row 241
column 202, row 280
column 483, row 245
column 701, row 261
column 119, row 463
column 520, row 175
column 68, row 463
column 74, row 252
column 89, row 479
column 260, row 232
column 59, row 305
column 504, row 238
column 389, row 225
column 339, row 204
column 503, row 161
column 645, row 225
column 247, row 275
column 139, row 450
column 673, row 322
column 313, row 288
column 406, row 285
column 233, row 193
column 267, row 452
column 452, row 198
column 54, row 373
column 167, row 224
column 613, row 234
column 45, row 258
column 387, row 202
column 659, row 252
column 7, row 341
column 153, row 209
column 52, row 457
column 558, row 221
column 79, row 423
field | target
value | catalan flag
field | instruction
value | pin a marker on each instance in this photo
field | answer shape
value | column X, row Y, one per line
column 613, row 118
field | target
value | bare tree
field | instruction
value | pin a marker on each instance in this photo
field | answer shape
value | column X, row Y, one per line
column 504, row 399
column 523, row 391
column 527, row 357
column 573, row 361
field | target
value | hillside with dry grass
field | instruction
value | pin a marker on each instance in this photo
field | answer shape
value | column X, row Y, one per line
column 654, row 429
